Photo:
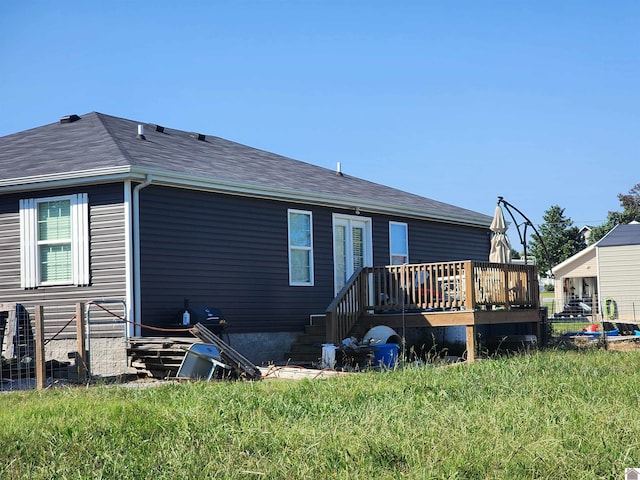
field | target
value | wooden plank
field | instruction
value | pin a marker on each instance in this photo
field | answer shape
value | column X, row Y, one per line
column 452, row 318
column 159, row 356
column 10, row 329
column 81, row 357
column 41, row 371
column 471, row 343
column 298, row 373
column 494, row 317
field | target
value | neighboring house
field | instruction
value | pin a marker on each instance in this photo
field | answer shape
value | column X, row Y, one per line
column 605, row 275
column 100, row 207
column 585, row 233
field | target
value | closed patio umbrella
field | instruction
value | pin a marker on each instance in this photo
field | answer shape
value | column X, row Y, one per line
column 500, row 246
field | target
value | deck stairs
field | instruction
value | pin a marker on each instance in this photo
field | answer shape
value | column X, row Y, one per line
column 307, row 349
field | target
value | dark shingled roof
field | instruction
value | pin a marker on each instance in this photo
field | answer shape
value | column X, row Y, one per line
column 98, row 142
column 621, row 235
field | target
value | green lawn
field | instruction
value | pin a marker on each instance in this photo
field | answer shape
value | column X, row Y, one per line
column 551, row 414
column 547, row 299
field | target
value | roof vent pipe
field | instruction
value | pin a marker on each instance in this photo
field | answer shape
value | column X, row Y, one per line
column 339, row 169
column 141, row 132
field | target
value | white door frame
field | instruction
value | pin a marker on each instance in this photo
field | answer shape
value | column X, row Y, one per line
column 350, row 221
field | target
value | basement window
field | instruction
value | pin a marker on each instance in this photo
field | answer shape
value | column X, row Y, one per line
column 300, row 248
column 54, row 241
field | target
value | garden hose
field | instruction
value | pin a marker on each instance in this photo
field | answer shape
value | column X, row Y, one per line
column 610, row 308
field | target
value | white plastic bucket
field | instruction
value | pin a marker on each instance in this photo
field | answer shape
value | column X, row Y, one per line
column 328, row 355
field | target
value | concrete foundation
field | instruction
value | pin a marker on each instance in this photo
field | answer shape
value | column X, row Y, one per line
column 107, row 356
column 262, row 348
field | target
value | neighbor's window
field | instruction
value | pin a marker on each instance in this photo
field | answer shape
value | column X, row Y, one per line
column 398, row 243
column 54, row 242
column 300, row 248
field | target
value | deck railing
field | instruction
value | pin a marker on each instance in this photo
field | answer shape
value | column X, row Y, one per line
column 446, row 286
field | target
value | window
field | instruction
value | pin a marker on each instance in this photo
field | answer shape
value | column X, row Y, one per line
column 54, row 241
column 300, row 248
column 398, row 243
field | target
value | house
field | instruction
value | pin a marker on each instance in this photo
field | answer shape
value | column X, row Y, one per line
column 99, row 207
column 604, row 277
column 585, row 233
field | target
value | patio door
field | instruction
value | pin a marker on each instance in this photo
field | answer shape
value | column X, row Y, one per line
column 351, row 247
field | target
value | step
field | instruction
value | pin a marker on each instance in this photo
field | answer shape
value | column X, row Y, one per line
column 316, row 330
column 312, row 339
column 318, row 320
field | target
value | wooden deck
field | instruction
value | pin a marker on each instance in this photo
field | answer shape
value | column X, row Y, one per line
column 437, row 295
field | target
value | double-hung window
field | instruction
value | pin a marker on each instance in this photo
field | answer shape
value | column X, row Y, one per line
column 398, row 243
column 300, row 248
column 54, row 241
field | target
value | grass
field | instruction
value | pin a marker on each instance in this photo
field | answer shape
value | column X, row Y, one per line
column 547, row 299
column 563, row 328
column 550, row 414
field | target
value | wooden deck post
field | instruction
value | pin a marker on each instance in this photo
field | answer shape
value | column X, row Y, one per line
column 470, row 286
column 41, row 371
column 505, row 286
column 330, row 327
column 81, row 358
column 471, row 343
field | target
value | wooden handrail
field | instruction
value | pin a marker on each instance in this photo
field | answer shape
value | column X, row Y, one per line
column 347, row 307
column 460, row 285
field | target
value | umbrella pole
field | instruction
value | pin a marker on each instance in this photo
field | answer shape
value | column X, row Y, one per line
column 527, row 223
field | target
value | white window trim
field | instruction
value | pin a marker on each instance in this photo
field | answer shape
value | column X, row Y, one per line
column 290, row 247
column 406, row 247
column 29, row 252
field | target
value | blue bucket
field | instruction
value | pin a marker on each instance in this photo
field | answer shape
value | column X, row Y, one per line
column 385, row 355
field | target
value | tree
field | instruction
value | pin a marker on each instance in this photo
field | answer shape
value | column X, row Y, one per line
column 560, row 237
column 630, row 204
column 514, row 253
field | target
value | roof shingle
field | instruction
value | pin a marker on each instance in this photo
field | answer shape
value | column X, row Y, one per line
column 99, row 141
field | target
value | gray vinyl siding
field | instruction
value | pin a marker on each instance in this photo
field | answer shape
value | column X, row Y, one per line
column 231, row 253
column 443, row 242
column 107, row 257
column 432, row 241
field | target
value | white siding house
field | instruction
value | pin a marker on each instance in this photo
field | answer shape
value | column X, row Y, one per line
column 607, row 272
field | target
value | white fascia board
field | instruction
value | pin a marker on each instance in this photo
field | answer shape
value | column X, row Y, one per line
column 58, row 180
column 572, row 259
column 183, row 180
column 313, row 198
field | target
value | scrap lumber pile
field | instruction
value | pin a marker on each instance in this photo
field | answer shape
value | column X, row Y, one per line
column 159, row 356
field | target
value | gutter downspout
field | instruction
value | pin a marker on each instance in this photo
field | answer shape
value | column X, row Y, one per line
column 137, row 309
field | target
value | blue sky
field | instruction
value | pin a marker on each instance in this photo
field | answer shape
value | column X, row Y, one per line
column 460, row 101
